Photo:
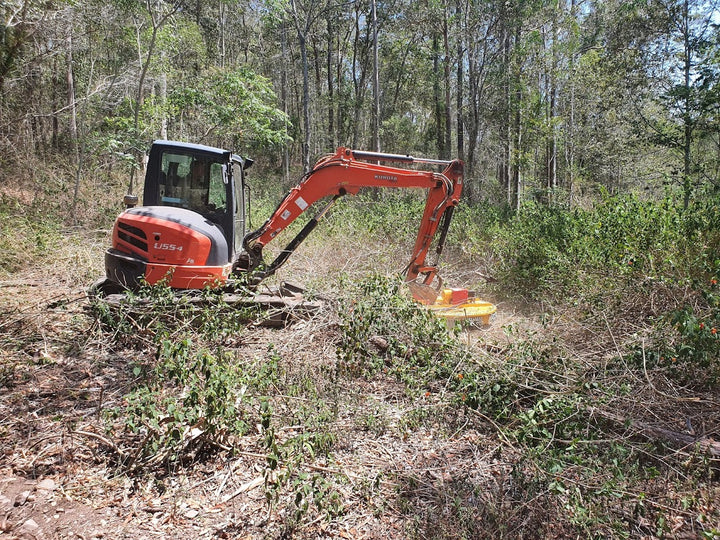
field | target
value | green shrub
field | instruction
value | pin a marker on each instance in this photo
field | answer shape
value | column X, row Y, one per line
column 156, row 311
column 383, row 329
column 191, row 400
column 192, row 397
column 550, row 251
column 686, row 342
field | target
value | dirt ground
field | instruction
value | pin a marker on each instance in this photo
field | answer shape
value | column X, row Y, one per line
column 400, row 464
column 58, row 479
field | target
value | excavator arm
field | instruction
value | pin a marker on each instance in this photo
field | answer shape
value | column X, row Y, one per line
column 346, row 172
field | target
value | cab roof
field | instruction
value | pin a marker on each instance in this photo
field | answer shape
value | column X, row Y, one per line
column 219, row 152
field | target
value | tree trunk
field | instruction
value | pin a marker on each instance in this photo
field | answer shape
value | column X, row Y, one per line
column 687, row 116
column 306, row 102
column 447, row 144
column 376, row 80
column 358, row 82
column 318, row 106
column 55, row 139
column 477, row 56
column 551, row 154
column 72, row 103
column 570, row 136
column 438, row 98
column 73, row 128
column 302, row 32
column 222, row 23
column 682, row 440
column 505, row 114
column 139, row 98
column 163, row 100
column 460, row 82
column 158, row 20
column 332, row 141
column 517, row 125
column 284, row 98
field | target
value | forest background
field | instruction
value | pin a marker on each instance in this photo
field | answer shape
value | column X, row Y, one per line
column 590, row 215
column 538, row 98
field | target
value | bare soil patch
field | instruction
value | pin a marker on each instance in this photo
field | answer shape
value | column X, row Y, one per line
column 399, row 463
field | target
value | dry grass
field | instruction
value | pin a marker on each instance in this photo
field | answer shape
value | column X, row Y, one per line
column 382, row 461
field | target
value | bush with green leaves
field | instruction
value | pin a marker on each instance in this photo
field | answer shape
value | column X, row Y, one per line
column 285, row 470
column 384, row 329
column 191, row 400
column 550, row 251
column 394, row 215
column 192, row 396
column 152, row 312
column 686, row 342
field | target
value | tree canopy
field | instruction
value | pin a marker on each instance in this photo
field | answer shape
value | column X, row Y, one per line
column 543, row 100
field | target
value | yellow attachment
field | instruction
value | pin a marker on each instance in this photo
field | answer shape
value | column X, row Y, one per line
column 452, row 304
column 474, row 308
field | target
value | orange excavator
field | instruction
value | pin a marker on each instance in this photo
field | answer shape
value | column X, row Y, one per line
column 190, row 230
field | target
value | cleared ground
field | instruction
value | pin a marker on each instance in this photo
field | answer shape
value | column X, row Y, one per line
column 359, row 457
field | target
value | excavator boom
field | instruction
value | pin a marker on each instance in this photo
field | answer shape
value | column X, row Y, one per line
column 347, row 172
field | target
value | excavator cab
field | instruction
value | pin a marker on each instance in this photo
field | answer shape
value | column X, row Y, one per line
column 203, row 179
column 190, row 227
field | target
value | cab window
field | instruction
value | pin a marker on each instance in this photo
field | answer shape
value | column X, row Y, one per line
column 192, row 182
column 218, row 195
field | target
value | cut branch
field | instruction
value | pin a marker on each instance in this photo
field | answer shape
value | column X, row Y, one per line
column 676, row 438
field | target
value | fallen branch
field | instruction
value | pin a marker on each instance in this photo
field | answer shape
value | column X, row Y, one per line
column 247, row 486
column 705, row 444
column 104, row 440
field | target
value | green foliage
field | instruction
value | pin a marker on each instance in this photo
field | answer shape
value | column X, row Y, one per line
column 501, row 389
column 189, row 401
column 285, row 470
column 686, row 342
column 196, row 396
column 395, row 215
column 154, row 311
column 184, row 49
column 236, row 106
column 551, row 250
column 385, row 330
column 536, row 249
column 192, row 396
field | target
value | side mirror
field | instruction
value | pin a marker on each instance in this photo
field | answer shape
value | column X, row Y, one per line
column 130, row 201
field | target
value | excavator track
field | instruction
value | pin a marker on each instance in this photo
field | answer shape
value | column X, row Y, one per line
column 275, row 306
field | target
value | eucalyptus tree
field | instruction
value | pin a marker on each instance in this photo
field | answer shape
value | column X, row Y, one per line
column 149, row 16
column 32, row 63
column 304, row 16
column 637, row 78
column 233, row 108
column 687, row 61
column 20, row 20
column 480, row 25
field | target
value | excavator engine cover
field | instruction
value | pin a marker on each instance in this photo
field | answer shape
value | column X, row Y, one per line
column 159, row 242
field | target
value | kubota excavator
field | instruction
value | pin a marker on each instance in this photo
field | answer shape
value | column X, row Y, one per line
column 190, row 230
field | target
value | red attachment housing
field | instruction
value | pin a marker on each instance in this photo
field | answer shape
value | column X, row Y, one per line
column 458, row 296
